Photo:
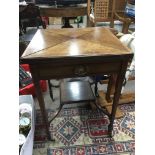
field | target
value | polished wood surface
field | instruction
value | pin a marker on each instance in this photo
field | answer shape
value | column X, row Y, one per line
column 62, row 53
column 68, row 43
column 76, row 91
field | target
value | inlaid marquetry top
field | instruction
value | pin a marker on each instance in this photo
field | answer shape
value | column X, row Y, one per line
column 73, row 42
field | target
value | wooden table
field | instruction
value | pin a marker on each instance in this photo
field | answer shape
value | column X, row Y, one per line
column 66, row 11
column 64, row 53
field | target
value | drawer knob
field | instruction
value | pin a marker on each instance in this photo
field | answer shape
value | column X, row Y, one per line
column 80, row 71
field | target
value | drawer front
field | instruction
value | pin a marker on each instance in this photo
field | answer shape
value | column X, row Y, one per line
column 47, row 71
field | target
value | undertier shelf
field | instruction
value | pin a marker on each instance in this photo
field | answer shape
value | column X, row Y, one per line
column 74, row 92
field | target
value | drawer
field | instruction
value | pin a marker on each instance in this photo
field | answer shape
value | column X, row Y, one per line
column 48, row 71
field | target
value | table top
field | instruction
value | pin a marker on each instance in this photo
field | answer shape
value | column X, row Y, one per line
column 73, row 42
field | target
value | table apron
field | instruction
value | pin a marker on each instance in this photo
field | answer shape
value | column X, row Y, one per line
column 50, row 71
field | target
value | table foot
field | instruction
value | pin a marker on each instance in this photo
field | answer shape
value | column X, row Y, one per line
column 110, row 129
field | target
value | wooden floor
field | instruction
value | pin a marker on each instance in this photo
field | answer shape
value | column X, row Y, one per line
column 124, row 99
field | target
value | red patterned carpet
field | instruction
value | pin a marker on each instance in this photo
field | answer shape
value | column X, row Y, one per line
column 81, row 131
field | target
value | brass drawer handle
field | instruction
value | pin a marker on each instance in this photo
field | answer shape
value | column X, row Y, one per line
column 80, row 71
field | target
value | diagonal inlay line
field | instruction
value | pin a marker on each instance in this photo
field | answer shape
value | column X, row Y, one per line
column 71, row 33
column 105, row 40
column 47, row 35
column 78, row 48
column 43, row 40
column 75, row 42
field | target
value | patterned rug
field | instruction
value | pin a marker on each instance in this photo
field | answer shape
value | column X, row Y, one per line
column 81, row 131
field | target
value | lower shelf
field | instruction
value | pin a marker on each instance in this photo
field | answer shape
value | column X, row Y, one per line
column 77, row 91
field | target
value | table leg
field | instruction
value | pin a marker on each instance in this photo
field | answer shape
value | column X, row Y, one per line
column 125, row 27
column 66, row 23
column 40, row 99
column 111, row 87
column 118, row 87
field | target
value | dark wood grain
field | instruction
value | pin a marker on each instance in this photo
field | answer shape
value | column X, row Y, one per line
column 77, row 91
column 118, row 87
column 62, row 53
column 40, row 99
column 52, row 11
column 72, row 43
column 72, row 11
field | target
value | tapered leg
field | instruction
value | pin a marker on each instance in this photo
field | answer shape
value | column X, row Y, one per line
column 118, row 87
column 40, row 99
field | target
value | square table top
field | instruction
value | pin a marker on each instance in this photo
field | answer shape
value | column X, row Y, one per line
column 74, row 42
